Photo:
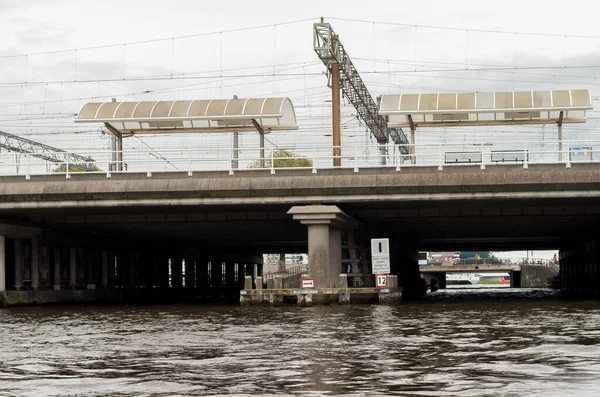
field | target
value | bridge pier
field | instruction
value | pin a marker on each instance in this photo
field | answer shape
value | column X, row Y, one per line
column 580, row 268
column 405, row 264
column 3, row 301
column 325, row 224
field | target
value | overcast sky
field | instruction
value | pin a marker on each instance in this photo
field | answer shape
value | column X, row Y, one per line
column 48, row 70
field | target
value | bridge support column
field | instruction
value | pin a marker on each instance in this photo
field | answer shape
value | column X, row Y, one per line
column 104, row 269
column 35, row 263
column 18, row 264
column 325, row 224
column 56, row 269
column 73, row 267
column 133, row 264
column 2, row 266
column 579, row 270
column 405, row 263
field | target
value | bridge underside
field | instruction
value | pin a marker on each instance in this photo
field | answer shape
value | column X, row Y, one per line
column 431, row 225
column 237, row 233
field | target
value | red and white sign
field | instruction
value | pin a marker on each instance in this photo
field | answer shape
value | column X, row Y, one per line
column 307, row 283
column 381, row 280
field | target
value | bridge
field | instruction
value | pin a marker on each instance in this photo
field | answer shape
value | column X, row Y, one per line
column 470, row 268
column 118, row 235
column 192, row 223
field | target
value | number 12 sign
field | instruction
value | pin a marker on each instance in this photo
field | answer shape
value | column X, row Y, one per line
column 381, row 280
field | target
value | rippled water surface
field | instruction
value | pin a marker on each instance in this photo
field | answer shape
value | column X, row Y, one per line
column 455, row 343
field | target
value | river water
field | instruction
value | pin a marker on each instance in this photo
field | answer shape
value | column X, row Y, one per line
column 454, row 343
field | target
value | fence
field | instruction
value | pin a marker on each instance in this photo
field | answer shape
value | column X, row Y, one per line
column 310, row 157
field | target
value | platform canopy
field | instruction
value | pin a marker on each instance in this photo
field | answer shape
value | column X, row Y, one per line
column 486, row 108
column 216, row 115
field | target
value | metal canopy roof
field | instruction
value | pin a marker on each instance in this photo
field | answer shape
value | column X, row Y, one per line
column 486, row 108
column 216, row 115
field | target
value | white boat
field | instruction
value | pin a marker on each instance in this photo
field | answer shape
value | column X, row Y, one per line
column 462, row 278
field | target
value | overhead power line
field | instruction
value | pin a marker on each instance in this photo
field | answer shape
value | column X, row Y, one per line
column 159, row 39
column 412, row 25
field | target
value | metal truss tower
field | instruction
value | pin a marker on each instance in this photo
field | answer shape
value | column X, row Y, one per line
column 342, row 72
column 18, row 144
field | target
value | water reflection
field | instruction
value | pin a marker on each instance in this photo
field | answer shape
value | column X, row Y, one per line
column 455, row 343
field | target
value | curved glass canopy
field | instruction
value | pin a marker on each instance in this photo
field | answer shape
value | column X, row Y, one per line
column 216, row 115
column 486, row 108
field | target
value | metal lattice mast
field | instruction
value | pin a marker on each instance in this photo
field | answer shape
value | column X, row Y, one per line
column 22, row 145
column 329, row 49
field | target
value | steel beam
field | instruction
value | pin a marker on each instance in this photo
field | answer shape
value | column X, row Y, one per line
column 19, row 144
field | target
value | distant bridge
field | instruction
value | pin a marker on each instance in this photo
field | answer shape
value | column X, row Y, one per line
column 469, row 268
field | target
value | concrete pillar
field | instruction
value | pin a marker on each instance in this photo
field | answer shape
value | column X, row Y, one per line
column 73, row 267
column 325, row 224
column 278, row 282
column 2, row 265
column 18, row 264
column 56, row 269
column 281, row 264
column 35, row 263
column 247, row 280
column 105, row 269
column 176, row 271
column 133, row 263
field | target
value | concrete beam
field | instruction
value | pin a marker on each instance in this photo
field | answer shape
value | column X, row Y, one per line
column 302, row 187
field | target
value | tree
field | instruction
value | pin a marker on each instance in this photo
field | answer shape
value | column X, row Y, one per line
column 284, row 159
column 76, row 168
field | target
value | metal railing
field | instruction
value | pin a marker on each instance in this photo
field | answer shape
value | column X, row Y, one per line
column 499, row 261
column 292, row 271
column 315, row 157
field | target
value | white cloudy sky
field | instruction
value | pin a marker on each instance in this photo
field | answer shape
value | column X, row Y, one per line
column 56, row 56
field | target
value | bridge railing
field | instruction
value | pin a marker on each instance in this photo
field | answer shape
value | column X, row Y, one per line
column 500, row 261
column 292, row 271
column 313, row 157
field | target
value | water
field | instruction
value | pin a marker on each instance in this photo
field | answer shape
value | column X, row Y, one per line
column 455, row 343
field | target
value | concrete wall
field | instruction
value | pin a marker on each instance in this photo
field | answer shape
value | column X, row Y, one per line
column 537, row 276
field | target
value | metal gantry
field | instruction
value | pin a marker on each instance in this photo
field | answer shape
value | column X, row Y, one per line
column 19, row 144
column 329, row 49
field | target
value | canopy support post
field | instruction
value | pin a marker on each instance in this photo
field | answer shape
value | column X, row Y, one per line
column 119, row 147
column 236, row 142
column 560, row 136
column 413, row 158
column 261, row 132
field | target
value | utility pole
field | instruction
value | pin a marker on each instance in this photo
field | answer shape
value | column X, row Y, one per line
column 346, row 80
column 335, row 104
column 560, row 137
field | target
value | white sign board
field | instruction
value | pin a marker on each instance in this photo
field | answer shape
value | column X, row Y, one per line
column 307, row 283
column 381, row 280
column 380, row 256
